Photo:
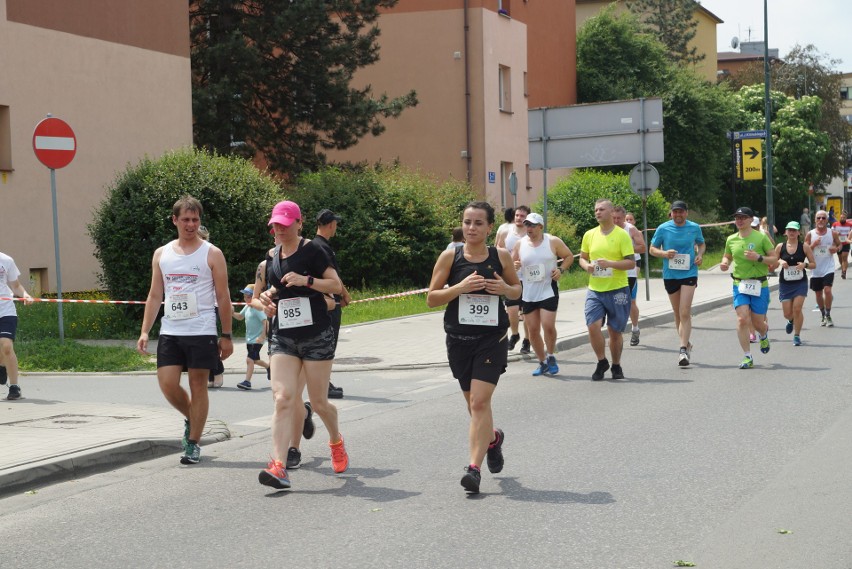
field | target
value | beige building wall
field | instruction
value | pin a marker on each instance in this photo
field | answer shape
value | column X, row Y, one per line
column 705, row 33
column 846, row 96
column 423, row 48
column 123, row 100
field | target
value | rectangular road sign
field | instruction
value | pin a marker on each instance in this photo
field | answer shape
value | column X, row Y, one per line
column 752, row 155
column 597, row 134
column 741, row 134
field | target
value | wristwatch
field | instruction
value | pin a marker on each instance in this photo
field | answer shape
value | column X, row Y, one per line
column 310, row 281
column 224, row 335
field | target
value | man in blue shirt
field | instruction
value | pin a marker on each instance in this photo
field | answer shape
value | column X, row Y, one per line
column 680, row 243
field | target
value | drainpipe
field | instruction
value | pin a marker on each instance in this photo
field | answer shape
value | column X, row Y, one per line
column 467, row 93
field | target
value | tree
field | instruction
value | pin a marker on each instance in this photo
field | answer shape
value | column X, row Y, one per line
column 673, row 23
column 799, row 146
column 135, row 218
column 806, row 71
column 617, row 60
column 274, row 78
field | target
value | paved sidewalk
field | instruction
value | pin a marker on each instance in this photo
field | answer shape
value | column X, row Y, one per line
column 52, row 440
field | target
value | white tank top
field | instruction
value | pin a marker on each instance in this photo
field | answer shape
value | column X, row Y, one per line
column 627, row 227
column 537, row 264
column 824, row 259
column 511, row 239
column 190, row 296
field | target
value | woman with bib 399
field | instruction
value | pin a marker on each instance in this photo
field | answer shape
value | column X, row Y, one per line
column 476, row 323
column 301, row 337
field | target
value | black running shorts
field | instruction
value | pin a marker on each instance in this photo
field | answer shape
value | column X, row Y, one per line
column 478, row 357
column 190, row 352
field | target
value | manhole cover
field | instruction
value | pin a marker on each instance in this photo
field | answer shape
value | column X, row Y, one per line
column 69, row 421
column 356, row 361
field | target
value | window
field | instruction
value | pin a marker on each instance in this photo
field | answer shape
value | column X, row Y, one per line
column 526, row 90
column 5, row 140
column 505, row 78
column 503, row 8
column 844, row 93
column 505, row 176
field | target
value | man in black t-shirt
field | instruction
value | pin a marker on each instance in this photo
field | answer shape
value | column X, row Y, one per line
column 327, row 222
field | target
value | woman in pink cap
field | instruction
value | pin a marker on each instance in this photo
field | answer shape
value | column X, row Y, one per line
column 301, row 339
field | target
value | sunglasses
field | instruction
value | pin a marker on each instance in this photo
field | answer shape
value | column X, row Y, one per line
column 821, row 217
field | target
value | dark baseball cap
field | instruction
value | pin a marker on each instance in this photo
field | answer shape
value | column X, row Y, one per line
column 326, row 216
column 679, row 205
column 744, row 211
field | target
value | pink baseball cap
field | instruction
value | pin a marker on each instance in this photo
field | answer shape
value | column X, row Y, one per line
column 286, row 213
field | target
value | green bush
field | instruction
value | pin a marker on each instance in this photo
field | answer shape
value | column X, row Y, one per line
column 135, row 218
column 561, row 226
column 574, row 197
column 395, row 221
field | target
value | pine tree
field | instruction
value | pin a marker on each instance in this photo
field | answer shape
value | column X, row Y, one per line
column 673, row 23
column 272, row 78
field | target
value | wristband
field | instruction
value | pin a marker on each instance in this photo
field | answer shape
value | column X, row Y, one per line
column 224, row 335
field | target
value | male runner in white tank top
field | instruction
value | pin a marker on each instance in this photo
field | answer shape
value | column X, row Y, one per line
column 824, row 242
column 536, row 257
column 190, row 274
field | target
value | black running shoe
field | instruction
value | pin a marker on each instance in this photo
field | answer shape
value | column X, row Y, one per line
column 471, row 479
column 525, row 347
column 513, row 341
column 308, row 428
column 294, row 458
column 603, row 366
column 495, row 453
column 14, row 392
column 335, row 392
column 3, row 375
column 617, row 372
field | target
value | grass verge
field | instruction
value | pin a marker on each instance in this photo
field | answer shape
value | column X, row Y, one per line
column 71, row 356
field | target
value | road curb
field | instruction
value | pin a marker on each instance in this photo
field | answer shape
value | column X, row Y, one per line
column 31, row 476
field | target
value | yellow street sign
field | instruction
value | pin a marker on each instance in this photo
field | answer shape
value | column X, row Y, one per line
column 752, row 149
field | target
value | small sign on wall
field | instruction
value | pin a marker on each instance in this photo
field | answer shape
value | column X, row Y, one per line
column 492, row 177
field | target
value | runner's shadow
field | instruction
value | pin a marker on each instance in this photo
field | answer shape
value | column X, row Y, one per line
column 25, row 399
column 514, row 490
column 353, row 487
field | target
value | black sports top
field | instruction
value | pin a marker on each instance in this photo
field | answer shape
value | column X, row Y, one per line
column 792, row 260
column 308, row 259
column 460, row 270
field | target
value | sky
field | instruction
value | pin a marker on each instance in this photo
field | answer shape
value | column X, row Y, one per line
column 827, row 24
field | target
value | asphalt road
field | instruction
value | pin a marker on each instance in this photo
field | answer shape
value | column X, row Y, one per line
column 708, row 464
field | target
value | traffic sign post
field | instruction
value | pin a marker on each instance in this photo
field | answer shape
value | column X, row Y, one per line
column 55, row 146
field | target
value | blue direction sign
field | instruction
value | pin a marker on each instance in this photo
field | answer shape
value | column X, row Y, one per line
column 746, row 134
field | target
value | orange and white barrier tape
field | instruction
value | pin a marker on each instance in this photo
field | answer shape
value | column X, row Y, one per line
column 75, row 301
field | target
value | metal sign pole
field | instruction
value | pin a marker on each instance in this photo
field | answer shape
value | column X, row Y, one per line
column 644, row 196
column 56, row 253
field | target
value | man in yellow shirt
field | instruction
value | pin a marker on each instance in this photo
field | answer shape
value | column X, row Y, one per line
column 606, row 254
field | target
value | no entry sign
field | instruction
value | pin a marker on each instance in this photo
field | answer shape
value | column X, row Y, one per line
column 54, row 143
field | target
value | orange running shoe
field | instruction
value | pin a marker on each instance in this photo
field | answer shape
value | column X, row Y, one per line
column 339, row 458
column 274, row 475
